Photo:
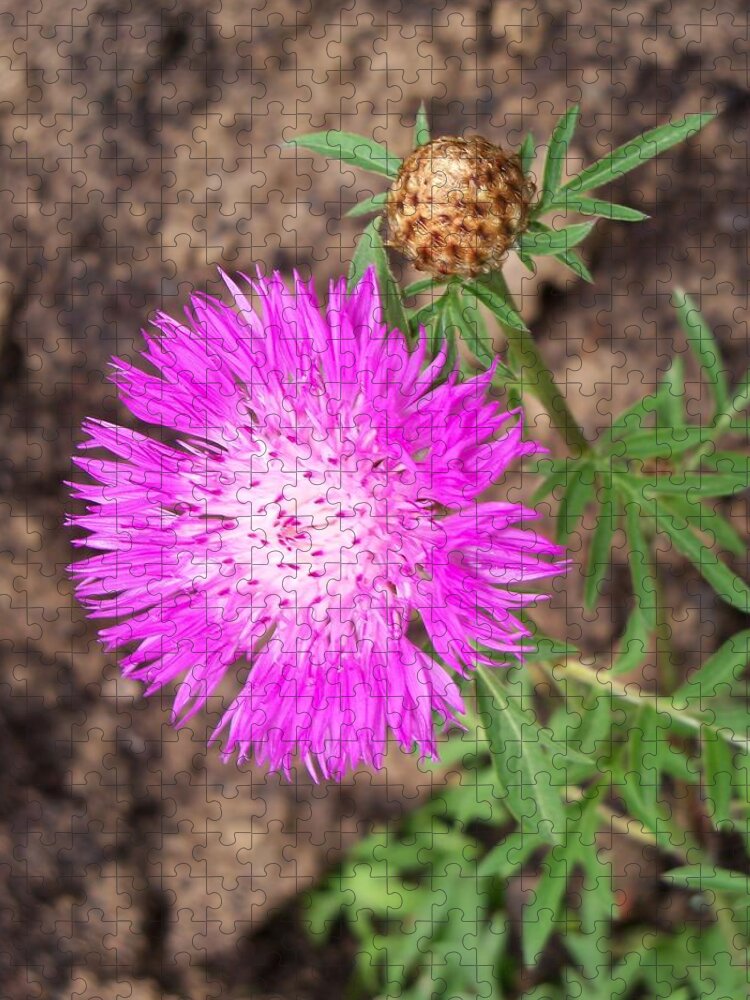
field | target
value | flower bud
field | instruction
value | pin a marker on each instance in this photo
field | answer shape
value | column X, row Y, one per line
column 457, row 206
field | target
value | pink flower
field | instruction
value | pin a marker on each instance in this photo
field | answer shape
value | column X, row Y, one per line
column 322, row 496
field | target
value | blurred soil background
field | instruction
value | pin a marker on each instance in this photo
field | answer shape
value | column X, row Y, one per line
column 141, row 146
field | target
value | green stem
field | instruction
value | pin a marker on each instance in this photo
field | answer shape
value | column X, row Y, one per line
column 534, row 374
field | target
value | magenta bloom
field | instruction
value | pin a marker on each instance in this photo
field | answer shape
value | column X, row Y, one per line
column 322, row 497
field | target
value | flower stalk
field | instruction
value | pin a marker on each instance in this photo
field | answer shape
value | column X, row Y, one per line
column 534, row 375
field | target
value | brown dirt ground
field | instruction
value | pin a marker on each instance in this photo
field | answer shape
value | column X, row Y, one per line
column 141, row 146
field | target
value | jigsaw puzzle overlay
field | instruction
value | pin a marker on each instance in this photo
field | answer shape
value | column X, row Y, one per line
column 585, row 833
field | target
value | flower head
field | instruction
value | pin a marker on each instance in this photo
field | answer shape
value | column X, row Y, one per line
column 458, row 205
column 321, row 494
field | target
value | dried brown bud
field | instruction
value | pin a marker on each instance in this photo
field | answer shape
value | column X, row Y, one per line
column 457, row 206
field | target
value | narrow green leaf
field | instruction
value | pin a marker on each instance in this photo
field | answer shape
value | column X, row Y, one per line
column 726, row 583
column 578, row 494
column 421, row 127
column 643, row 746
column 427, row 315
column 528, row 262
column 491, row 294
column 721, row 669
column 453, row 323
column 733, row 463
column 473, row 328
column 718, row 769
column 594, row 206
column 423, row 285
column 321, row 910
column 632, row 154
column 541, row 915
column 508, row 856
column 708, row 521
column 522, row 767
column 685, row 483
column 653, row 815
column 634, row 645
column 552, row 242
column 370, row 251
column 367, row 207
column 671, row 410
column 558, row 151
column 702, row 877
column 741, row 397
column 702, row 517
column 635, row 417
column 659, row 442
column 598, row 906
column 527, row 152
column 601, row 545
column 355, row 149
column 571, row 259
column 640, row 564
column 544, row 646
column 704, row 346
column 548, row 485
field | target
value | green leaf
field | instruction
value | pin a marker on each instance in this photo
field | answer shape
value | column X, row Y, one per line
column 422, row 315
column 491, row 293
column 321, row 910
column 726, row 583
column 421, row 127
column 733, row 463
column 571, row 259
column 703, row 518
column 545, row 647
column 721, row 669
column 704, row 346
column 551, row 242
column 635, row 417
column 631, row 155
column 436, row 318
column 596, row 206
column 423, row 285
column 508, row 856
column 548, row 485
column 357, row 150
column 702, row 877
column 659, row 442
column 473, row 329
column 578, row 494
column 452, row 323
column 526, row 152
column 718, row 771
column 528, row 262
column 741, row 397
column 534, row 790
column 685, row 483
column 558, row 151
column 370, row 252
column 640, row 565
column 541, row 915
column 633, row 646
column 643, row 748
column 368, row 206
column 601, row 545
column 597, row 900
column 671, row 410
